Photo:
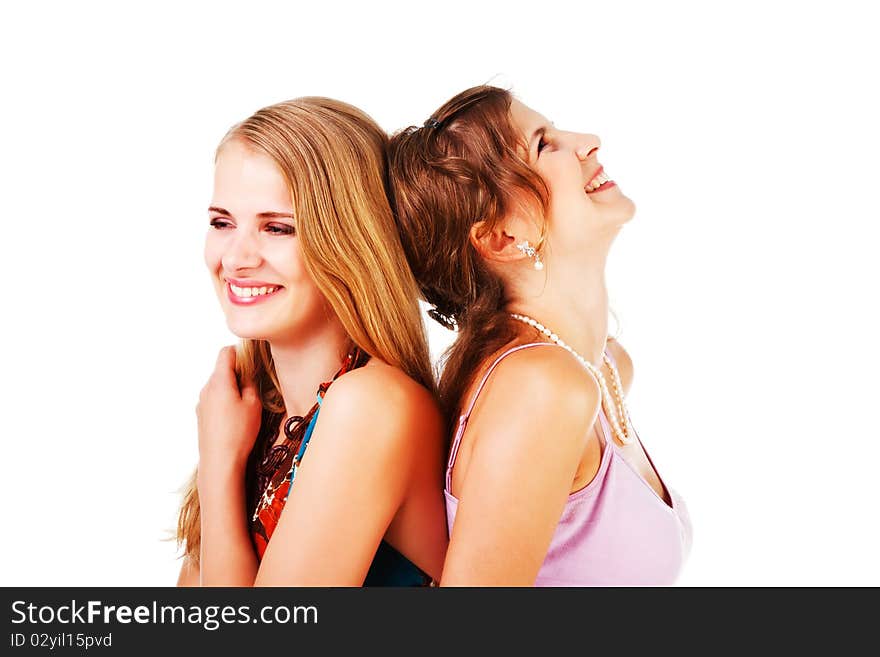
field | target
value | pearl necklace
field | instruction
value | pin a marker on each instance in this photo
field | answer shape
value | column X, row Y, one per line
column 619, row 428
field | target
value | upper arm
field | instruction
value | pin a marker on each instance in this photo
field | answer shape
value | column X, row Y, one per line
column 351, row 481
column 528, row 438
column 624, row 364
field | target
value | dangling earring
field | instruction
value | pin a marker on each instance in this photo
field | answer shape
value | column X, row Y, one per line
column 530, row 251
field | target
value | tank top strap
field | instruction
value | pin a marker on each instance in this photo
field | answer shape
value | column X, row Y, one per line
column 609, row 354
column 463, row 418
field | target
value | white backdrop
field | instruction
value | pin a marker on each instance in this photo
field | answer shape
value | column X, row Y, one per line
column 747, row 135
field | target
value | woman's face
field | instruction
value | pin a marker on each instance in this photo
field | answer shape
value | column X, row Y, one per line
column 253, row 253
column 584, row 201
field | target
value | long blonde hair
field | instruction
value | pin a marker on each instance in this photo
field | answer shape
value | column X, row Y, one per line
column 333, row 157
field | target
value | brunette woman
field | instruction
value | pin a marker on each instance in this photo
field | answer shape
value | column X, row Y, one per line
column 507, row 222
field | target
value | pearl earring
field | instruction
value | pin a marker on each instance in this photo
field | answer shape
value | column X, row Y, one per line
column 530, row 251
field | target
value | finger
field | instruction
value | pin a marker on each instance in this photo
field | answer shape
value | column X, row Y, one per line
column 224, row 370
column 225, row 354
column 249, row 394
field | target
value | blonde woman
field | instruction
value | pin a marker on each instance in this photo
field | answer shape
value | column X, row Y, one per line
column 320, row 443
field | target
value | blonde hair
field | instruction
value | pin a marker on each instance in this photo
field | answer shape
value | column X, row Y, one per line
column 333, row 157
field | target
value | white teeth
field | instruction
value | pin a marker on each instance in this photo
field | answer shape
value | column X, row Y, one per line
column 247, row 292
column 597, row 182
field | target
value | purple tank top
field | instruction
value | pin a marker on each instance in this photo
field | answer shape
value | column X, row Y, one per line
column 615, row 531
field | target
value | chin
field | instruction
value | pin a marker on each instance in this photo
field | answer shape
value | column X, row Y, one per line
column 247, row 331
column 623, row 210
column 630, row 210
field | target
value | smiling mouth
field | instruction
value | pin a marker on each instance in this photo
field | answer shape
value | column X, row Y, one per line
column 250, row 295
column 600, row 182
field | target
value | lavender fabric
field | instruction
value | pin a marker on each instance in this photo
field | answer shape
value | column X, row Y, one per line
column 615, row 531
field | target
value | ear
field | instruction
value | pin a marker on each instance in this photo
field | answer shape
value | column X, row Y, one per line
column 499, row 244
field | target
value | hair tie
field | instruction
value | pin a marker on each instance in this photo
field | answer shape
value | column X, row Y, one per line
column 446, row 321
column 431, row 123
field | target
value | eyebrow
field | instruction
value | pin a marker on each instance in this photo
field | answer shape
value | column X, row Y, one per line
column 262, row 215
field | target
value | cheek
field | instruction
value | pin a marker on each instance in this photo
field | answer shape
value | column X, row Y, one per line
column 305, row 284
column 568, row 202
column 212, row 252
column 564, row 183
column 288, row 263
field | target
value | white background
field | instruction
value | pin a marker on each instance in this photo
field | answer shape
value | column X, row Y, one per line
column 746, row 284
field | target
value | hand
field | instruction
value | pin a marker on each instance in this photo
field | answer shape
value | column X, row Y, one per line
column 229, row 419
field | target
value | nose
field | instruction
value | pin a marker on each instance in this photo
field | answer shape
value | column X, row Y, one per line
column 588, row 145
column 242, row 253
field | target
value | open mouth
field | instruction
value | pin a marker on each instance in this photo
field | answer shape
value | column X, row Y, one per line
column 250, row 294
column 599, row 182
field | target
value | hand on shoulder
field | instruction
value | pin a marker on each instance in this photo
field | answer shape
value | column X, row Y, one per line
column 228, row 417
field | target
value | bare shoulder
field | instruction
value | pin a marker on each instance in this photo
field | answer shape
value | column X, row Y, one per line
column 544, row 368
column 624, row 363
column 540, row 387
column 378, row 382
column 533, row 416
column 382, row 403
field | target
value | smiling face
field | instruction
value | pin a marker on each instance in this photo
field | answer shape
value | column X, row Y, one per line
column 253, row 253
column 584, row 202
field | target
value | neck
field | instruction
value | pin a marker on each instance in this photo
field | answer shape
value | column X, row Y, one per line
column 573, row 303
column 302, row 365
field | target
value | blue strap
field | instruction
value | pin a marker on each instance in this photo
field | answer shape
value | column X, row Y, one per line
column 302, row 448
column 308, row 434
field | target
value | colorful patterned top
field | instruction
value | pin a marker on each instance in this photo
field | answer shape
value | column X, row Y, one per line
column 276, row 470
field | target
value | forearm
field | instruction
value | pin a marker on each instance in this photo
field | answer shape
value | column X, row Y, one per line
column 227, row 555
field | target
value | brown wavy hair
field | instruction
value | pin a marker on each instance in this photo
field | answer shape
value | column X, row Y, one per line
column 333, row 157
column 466, row 164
